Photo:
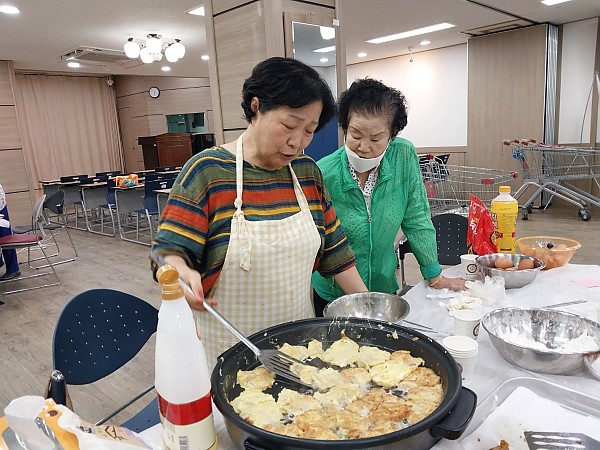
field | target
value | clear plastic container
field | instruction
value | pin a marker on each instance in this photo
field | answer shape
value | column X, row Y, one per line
column 504, row 211
column 182, row 379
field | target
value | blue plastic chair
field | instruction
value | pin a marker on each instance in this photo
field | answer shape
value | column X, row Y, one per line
column 98, row 332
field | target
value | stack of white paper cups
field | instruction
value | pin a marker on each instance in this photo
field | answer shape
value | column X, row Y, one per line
column 464, row 350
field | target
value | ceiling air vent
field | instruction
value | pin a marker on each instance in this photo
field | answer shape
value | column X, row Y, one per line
column 99, row 57
column 498, row 27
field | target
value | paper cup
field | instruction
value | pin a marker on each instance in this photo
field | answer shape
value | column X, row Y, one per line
column 464, row 350
column 467, row 322
column 470, row 270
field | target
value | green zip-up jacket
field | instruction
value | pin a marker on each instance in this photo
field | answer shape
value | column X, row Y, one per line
column 398, row 200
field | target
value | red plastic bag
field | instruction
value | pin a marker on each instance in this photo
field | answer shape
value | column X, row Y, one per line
column 480, row 236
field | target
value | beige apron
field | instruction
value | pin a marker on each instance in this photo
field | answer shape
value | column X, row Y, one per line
column 265, row 278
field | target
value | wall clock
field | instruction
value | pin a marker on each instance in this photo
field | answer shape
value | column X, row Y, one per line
column 154, row 92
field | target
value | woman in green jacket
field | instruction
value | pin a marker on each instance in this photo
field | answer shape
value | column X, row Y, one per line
column 376, row 187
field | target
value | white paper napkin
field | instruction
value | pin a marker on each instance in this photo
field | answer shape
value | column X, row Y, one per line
column 523, row 411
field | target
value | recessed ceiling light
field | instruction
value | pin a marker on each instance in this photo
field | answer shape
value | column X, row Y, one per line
column 425, row 42
column 324, row 60
column 361, row 55
column 204, row 57
column 553, row 2
column 74, row 65
column 6, row 9
column 331, row 48
column 165, row 68
column 410, row 33
column 199, row 11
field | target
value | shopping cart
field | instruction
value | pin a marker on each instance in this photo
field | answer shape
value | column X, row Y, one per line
column 449, row 186
column 550, row 169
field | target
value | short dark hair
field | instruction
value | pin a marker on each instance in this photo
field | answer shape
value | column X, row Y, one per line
column 278, row 82
column 371, row 97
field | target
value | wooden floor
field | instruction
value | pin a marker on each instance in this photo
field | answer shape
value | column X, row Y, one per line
column 27, row 319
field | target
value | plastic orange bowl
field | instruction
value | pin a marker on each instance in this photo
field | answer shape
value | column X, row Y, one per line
column 554, row 251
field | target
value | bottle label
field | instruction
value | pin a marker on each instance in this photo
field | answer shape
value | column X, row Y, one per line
column 189, row 425
column 504, row 216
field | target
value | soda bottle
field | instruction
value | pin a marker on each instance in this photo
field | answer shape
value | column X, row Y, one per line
column 504, row 211
column 182, row 379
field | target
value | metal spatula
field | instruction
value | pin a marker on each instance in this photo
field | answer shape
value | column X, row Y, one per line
column 551, row 440
column 277, row 362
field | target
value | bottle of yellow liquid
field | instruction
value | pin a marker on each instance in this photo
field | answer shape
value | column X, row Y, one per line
column 182, row 379
column 504, row 211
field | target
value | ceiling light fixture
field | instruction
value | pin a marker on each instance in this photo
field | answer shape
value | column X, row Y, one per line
column 154, row 48
column 425, row 42
column 74, row 65
column 361, row 55
column 165, row 68
column 324, row 59
column 199, row 11
column 6, row 9
column 327, row 33
column 410, row 33
column 553, row 2
column 205, row 57
column 331, row 48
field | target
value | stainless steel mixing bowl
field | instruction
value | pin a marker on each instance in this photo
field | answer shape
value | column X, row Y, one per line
column 512, row 278
column 369, row 305
column 515, row 332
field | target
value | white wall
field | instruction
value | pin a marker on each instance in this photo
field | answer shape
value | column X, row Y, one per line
column 577, row 75
column 328, row 74
column 435, row 85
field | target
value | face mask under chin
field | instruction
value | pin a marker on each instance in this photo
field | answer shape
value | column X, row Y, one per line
column 362, row 165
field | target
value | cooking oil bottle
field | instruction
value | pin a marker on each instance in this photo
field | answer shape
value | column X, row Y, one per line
column 182, row 379
column 504, row 211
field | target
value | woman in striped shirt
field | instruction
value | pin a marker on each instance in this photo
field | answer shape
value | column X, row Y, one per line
column 248, row 222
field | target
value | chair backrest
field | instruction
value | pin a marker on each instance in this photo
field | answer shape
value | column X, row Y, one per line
column 150, row 177
column 110, row 173
column 37, row 216
column 451, row 237
column 55, row 202
column 164, row 169
column 98, row 332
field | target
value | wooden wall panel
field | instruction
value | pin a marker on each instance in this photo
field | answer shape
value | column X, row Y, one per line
column 128, row 84
column 158, row 124
column 19, row 207
column 6, row 92
column 12, row 170
column 147, row 115
column 9, row 128
column 180, row 101
column 237, row 57
column 506, row 85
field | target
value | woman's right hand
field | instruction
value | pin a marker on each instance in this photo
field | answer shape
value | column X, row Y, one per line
column 192, row 277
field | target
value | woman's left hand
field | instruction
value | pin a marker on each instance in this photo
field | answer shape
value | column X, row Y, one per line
column 453, row 284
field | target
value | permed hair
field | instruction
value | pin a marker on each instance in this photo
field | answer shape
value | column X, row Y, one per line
column 373, row 98
column 278, row 82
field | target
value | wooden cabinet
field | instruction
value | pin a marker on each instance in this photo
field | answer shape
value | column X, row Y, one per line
column 168, row 149
column 172, row 149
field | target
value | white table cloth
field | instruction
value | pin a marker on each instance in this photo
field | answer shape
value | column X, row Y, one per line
column 572, row 282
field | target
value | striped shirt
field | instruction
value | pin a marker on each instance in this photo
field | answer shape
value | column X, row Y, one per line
column 196, row 221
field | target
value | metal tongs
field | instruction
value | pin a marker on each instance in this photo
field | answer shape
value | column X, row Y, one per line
column 277, row 362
